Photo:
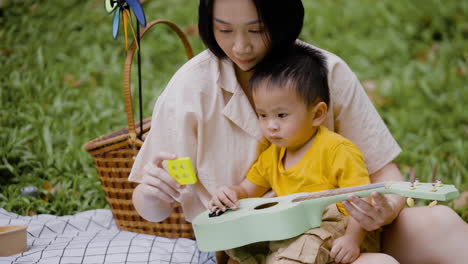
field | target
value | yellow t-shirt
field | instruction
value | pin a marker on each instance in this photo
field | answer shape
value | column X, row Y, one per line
column 331, row 162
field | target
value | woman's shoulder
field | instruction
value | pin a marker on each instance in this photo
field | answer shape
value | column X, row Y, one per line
column 331, row 57
column 334, row 62
column 197, row 68
column 197, row 76
column 343, row 82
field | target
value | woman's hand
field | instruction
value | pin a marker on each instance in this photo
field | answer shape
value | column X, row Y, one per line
column 224, row 196
column 156, row 181
column 382, row 209
column 345, row 249
column 372, row 215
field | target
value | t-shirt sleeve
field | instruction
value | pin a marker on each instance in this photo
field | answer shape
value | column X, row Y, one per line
column 356, row 118
column 348, row 166
column 258, row 173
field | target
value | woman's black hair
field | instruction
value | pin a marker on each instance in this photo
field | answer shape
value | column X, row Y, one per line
column 282, row 20
column 301, row 68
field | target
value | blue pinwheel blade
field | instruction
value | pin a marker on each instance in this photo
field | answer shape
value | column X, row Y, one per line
column 115, row 23
column 138, row 11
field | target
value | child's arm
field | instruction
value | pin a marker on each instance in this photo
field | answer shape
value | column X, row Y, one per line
column 345, row 249
column 230, row 195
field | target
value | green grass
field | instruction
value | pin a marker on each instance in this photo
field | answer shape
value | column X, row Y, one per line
column 61, row 85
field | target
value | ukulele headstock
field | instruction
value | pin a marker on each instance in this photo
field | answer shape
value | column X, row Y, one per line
column 421, row 190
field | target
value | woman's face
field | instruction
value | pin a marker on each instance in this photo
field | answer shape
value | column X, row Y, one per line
column 239, row 33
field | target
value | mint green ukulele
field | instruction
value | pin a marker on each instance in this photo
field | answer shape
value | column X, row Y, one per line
column 269, row 219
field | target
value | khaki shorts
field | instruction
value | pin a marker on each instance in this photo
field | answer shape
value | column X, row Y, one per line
column 311, row 247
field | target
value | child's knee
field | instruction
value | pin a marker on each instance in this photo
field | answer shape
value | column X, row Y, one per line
column 381, row 258
column 386, row 259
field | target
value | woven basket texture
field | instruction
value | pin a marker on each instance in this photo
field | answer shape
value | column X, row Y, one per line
column 113, row 157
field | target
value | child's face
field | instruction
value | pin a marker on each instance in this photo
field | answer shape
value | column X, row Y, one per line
column 285, row 119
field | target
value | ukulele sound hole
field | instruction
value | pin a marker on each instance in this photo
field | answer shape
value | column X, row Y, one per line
column 264, row 206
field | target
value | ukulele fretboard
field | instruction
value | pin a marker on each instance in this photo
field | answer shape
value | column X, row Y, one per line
column 333, row 192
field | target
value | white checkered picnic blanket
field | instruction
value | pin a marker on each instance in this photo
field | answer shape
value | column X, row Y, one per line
column 93, row 237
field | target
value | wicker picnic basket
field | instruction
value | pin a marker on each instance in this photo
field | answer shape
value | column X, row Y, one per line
column 113, row 157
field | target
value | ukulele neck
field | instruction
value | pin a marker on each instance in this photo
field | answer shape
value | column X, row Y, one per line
column 341, row 193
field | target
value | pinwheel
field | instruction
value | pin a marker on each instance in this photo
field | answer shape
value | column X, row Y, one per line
column 121, row 8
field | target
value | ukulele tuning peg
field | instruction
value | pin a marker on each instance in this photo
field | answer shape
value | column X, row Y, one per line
column 432, row 204
column 434, row 174
column 388, row 185
column 434, row 181
column 412, row 179
column 412, row 175
column 410, row 202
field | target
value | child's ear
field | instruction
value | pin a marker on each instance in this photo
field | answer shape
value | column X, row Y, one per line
column 320, row 113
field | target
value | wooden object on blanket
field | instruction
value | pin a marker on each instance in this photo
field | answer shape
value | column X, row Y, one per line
column 12, row 240
column 269, row 219
column 114, row 154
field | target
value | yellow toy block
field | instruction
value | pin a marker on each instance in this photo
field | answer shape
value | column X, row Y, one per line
column 181, row 170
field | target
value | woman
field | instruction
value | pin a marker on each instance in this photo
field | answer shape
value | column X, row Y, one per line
column 206, row 113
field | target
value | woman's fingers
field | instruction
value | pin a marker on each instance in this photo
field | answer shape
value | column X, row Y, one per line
column 384, row 208
column 370, row 216
column 163, row 186
column 363, row 205
column 156, row 169
column 161, row 174
column 363, row 219
column 151, row 191
column 380, row 202
column 161, row 157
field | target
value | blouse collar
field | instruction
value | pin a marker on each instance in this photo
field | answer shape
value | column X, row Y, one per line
column 238, row 109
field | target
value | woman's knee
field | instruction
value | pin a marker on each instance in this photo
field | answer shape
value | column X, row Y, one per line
column 413, row 236
column 444, row 215
column 439, row 216
column 420, row 223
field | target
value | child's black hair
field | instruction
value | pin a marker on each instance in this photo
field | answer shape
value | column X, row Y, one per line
column 303, row 67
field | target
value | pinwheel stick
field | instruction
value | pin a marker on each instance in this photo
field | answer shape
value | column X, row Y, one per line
column 140, row 96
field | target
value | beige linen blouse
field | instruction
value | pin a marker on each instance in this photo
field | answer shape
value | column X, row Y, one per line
column 204, row 114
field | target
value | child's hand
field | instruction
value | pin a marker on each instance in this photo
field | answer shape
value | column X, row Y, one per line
column 345, row 249
column 224, row 196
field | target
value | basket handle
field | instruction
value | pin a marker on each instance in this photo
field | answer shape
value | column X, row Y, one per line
column 127, row 73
